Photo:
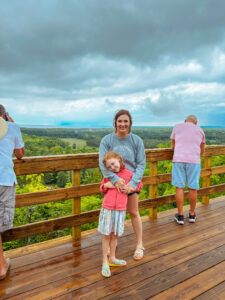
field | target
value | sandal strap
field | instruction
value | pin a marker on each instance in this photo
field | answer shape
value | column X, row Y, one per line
column 118, row 262
column 106, row 271
column 139, row 249
column 139, row 252
column 106, row 268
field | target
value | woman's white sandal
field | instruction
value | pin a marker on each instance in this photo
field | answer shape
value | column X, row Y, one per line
column 139, row 253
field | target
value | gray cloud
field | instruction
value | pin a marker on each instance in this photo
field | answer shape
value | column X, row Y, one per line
column 73, row 50
column 164, row 105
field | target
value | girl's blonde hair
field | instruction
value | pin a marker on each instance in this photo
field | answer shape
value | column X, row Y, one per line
column 110, row 155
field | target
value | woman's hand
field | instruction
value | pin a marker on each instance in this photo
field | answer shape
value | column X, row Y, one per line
column 120, row 184
column 127, row 189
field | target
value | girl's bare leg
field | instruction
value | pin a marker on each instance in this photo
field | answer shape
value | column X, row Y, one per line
column 113, row 244
column 105, row 246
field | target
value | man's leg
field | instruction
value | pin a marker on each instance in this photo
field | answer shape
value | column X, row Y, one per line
column 3, row 262
column 193, row 174
column 193, row 200
column 179, row 181
column 7, row 203
column 180, row 199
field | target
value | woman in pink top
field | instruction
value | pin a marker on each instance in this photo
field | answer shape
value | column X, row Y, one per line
column 113, row 212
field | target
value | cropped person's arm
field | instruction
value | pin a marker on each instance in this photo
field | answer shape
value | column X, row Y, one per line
column 19, row 153
column 19, row 149
column 202, row 147
column 173, row 143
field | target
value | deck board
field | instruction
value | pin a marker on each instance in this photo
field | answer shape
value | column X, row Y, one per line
column 175, row 256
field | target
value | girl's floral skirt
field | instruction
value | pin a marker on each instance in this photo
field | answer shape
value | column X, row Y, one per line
column 111, row 220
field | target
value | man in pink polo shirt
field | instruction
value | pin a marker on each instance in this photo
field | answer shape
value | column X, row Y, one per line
column 188, row 142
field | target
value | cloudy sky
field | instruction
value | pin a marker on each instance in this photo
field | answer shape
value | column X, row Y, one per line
column 74, row 63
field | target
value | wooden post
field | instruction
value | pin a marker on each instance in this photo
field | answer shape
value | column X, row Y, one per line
column 206, row 179
column 76, row 205
column 153, row 170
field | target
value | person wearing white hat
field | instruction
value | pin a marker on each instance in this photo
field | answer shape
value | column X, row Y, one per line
column 10, row 142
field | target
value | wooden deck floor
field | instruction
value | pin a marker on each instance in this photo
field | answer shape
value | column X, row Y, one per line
column 180, row 262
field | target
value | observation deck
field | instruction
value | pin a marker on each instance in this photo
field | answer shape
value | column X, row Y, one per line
column 180, row 262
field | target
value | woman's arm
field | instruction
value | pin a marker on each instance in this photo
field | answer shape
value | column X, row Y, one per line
column 140, row 161
column 103, row 148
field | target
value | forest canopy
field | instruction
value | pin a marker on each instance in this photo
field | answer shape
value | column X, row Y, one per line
column 57, row 141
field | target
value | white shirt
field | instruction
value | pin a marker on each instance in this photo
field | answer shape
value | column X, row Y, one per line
column 12, row 140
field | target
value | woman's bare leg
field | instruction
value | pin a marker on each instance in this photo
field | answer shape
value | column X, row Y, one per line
column 132, row 207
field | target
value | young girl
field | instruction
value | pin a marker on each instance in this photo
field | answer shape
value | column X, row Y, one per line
column 113, row 212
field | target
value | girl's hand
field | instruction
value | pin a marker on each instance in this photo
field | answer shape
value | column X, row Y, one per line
column 120, row 184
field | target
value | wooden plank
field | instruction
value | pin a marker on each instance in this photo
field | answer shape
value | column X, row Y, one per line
column 196, row 285
column 149, row 226
column 157, row 179
column 91, row 216
column 153, row 170
column 157, row 287
column 67, row 279
column 76, row 205
column 56, row 195
column 214, row 150
column 101, row 288
column 217, row 293
column 206, row 179
column 167, row 199
column 167, row 177
column 212, row 171
column 152, row 264
column 159, row 154
column 89, row 240
column 91, row 189
column 49, row 225
column 55, row 163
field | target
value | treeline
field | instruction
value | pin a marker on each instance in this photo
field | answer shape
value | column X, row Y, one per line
column 152, row 136
column 37, row 145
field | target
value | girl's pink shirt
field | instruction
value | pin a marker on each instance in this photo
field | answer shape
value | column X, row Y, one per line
column 112, row 198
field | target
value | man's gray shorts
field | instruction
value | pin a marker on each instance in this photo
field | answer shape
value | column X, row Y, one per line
column 7, row 206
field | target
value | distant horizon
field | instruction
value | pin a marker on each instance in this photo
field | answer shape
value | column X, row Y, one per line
column 105, row 126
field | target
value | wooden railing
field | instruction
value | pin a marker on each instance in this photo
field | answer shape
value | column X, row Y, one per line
column 76, row 162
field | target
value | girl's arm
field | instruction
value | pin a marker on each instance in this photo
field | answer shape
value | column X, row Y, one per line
column 105, row 185
column 109, row 185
